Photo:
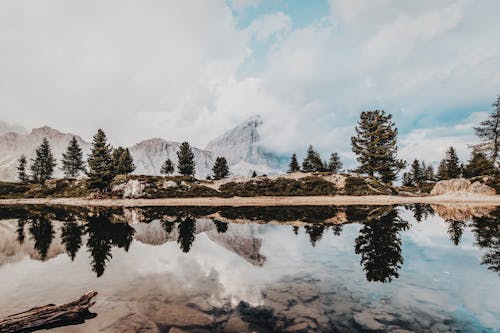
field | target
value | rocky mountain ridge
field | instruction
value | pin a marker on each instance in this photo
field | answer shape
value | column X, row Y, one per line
column 240, row 146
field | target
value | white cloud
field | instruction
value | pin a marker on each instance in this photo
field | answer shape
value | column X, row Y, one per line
column 276, row 24
column 240, row 5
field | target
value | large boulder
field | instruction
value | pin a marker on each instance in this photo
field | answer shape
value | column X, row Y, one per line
column 461, row 185
column 133, row 189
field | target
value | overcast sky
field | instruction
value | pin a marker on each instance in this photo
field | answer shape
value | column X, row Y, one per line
column 189, row 70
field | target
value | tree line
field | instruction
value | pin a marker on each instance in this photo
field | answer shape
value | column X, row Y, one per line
column 375, row 147
column 103, row 164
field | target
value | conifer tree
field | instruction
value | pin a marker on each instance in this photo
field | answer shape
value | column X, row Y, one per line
column 334, row 164
column 185, row 164
column 442, row 172
column 429, row 173
column 312, row 162
column 375, row 145
column 489, row 131
column 294, row 164
column 167, row 167
column 72, row 161
column 254, row 174
column 123, row 161
column 407, row 179
column 42, row 166
column 417, row 173
column 452, row 163
column 478, row 165
column 101, row 169
column 22, row 176
column 220, row 169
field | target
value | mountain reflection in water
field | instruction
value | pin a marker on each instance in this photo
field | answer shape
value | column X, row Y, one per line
column 378, row 244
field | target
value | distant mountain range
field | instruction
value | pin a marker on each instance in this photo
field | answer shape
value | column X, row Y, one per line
column 240, row 145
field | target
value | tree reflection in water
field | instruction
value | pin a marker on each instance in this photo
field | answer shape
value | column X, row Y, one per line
column 71, row 237
column 379, row 244
column 42, row 232
column 456, row 229
column 102, row 236
column 487, row 233
column 187, row 230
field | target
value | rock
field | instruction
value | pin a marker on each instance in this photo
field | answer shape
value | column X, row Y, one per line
column 181, row 316
column 366, row 320
column 440, row 328
column 184, row 184
column 300, row 327
column 133, row 189
column 131, row 323
column 480, row 188
column 176, row 330
column 235, row 325
column 397, row 329
column 461, row 185
column 169, row 184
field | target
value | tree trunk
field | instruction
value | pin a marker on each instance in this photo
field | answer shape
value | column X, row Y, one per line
column 50, row 316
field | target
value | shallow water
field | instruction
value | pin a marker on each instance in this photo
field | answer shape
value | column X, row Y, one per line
column 302, row 269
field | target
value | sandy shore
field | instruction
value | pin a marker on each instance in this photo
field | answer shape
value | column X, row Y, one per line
column 456, row 199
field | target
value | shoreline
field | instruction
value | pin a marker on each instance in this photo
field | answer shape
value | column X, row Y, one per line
column 262, row 201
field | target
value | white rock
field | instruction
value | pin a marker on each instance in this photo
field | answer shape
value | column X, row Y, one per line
column 169, row 184
column 133, row 189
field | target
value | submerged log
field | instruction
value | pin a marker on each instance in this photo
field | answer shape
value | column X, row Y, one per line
column 50, row 316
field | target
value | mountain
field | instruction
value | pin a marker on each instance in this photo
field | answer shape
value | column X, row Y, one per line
column 150, row 154
column 241, row 146
column 9, row 128
column 13, row 145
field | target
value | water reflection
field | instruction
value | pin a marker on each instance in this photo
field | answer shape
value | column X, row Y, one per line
column 378, row 243
column 320, row 252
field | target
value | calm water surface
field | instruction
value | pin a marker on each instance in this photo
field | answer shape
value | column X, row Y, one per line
column 297, row 269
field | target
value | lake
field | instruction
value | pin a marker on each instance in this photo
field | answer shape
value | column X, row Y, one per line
column 415, row 268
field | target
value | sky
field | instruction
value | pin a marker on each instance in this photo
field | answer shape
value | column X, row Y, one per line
column 191, row 69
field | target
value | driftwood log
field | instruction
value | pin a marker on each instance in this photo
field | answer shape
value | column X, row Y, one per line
column 50, row 316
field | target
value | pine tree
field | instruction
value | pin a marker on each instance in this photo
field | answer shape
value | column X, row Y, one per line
column 312, row 162
column 42, row 166
column 429, row 173
column 453, row 168
column 220, row 169
column 417, row 173
column 21, row 169
column 294, row 164
column 101, row 169
column 72, row 161
column 123, row 161
column 334, row 164
column 478, row 165
column 375, row 145
column 167, row 167
column 407, row 179
column 489, row 131
column 442, row 172
column 254, row 174
column 185, row 156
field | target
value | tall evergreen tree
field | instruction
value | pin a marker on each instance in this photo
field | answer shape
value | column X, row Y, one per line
column 312, row 162
column 123, row 161
column 407, row 179
column 294, row 164
column 22, row 176
column 72, row 161
column 417, row 173
column 185, row 156
column 489, row 131
column 375, row 145
column 453, row 163
column 220, row 169
column 429, row 173
column 101, row 169
column 478, row 165
column 42, row 166
column 334, row 164
column 167, row 167
column 442, row 172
